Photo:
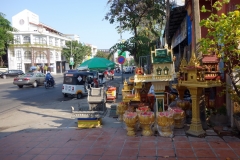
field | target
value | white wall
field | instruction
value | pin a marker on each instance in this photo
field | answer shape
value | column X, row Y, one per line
column 22, row 19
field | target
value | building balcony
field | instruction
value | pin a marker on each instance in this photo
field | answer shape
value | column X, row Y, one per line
column 27, row 60
column 28, row 45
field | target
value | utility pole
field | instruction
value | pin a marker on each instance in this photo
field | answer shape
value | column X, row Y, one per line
column 197, row 28
column 167, row 21
column 120, row 42
column 71, row 60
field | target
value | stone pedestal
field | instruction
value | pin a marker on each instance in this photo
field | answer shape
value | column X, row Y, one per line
column 196, row 125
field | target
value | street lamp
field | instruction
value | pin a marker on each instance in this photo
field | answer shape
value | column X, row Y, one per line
column 71, row 60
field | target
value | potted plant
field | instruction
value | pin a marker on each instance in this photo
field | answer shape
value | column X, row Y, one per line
column 236, row 115
column 219, row 116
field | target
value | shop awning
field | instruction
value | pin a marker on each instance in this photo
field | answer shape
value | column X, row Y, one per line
column 177, row 15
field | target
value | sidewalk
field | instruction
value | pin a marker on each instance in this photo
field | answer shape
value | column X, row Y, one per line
column 110, row 142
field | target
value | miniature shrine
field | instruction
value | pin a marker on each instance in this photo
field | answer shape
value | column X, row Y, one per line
column 137, row 98
column 210, row 62
column 195, row 77
column 138, row 104
column 163, row 72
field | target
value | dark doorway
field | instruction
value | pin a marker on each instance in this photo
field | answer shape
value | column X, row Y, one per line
column 63, row 66
column 60, row 66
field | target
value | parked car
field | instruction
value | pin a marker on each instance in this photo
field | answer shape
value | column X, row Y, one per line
column 11, row 73
column 127, row 70
column 31, row 78
column 3, row 69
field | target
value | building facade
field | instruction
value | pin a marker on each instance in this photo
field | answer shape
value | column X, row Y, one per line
column 183, row 35
column 36, row 45
column 93, row 51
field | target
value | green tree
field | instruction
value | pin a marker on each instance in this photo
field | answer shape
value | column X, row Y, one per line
column 77, row 50
column 223, row 39
column 141, row 44
column 102, row 54
column 6, row 37
column 132, row 16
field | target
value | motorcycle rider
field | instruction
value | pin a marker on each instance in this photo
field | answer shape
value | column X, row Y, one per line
column 50, row 78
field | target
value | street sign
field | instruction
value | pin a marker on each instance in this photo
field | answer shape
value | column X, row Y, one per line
column 122, row 53
column 121, row 59
column 71, row 62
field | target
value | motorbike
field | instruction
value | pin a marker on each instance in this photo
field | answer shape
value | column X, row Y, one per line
column 49, row 83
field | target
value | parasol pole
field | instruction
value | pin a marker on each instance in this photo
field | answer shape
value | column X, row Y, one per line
column 121, row 42
column 122, row 72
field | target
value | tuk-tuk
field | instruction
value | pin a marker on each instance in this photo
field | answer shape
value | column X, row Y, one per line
column 76, row 83
column 100, row 76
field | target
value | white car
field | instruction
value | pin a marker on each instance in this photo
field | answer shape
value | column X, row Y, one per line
column 127, row 70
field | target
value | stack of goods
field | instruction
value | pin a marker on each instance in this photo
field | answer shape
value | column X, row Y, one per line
column 130, row 118
column 111, row 93
column 165, row 123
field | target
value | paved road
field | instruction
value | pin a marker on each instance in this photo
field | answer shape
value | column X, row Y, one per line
column 12, row 97
column 37, row 108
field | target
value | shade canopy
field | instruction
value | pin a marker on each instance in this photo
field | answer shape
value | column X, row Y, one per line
column 97, row 63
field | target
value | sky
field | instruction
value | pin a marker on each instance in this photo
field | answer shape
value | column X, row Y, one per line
column 82, row 17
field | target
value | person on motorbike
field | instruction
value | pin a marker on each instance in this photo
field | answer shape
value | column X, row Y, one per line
column 50, row 78
column 111, row 74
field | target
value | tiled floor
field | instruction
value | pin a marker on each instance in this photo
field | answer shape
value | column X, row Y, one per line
column 111, row 144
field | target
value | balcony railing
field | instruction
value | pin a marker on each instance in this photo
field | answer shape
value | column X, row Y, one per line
column 153, row 77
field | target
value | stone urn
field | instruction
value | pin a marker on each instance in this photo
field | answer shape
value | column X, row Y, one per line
column 142, row 109
column 172, row 97
column 184, row 105
column 146, row 120
column 130, row 118
column 165, row 122
column 179, row 117
column 121, row 108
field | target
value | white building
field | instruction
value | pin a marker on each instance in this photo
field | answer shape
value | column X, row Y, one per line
column 93, row 51
column 36, row 44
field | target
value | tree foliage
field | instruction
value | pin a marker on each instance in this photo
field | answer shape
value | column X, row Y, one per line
column 102, row 54
column 140, row 18
column 223, row 39
column 79, row 52
column 130, row 45
column 5, row 36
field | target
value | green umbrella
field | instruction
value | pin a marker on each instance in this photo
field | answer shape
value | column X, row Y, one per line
column 97, row 63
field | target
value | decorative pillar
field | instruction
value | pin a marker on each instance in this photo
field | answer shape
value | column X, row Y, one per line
column 33, row 57
column 196, row 126
column 48, row 57
column 159, row 88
